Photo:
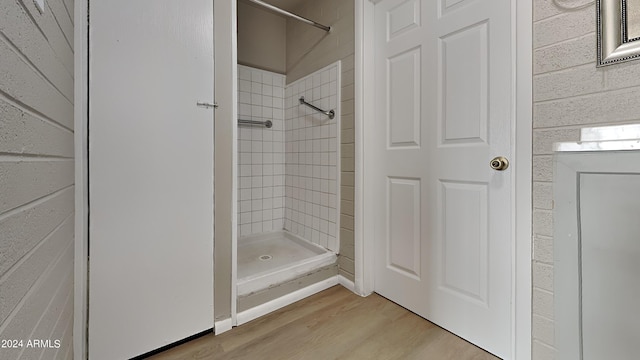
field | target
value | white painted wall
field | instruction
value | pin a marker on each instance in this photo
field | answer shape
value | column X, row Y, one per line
column 36, row 176
column 569, row 93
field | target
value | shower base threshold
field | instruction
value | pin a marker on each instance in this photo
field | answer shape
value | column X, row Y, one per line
column 268, row 260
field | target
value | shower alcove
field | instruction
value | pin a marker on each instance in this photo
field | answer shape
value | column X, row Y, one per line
column 288, row 171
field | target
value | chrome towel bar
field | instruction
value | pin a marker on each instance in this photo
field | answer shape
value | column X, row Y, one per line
column 268, row 124
column 331, row 114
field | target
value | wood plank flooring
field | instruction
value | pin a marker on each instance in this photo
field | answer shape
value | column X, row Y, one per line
column 334, row 324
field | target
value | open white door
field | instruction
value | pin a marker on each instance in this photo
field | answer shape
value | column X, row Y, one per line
column 150, row 174
column 443, row 227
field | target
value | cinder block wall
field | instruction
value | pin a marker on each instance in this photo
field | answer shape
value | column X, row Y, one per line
column 36, row 177
column 569, row 93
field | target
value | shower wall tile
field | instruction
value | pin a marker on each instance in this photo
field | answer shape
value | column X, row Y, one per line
column 312, row 158
column 261, row 157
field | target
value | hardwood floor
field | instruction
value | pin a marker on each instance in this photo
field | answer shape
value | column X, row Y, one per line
column 334, row 324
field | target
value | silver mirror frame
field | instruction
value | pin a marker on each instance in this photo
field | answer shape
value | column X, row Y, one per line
column 613, row 45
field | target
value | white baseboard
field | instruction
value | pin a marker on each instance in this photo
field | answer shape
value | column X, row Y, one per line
column 350, row 285
column 288, row 299
column 223, row 326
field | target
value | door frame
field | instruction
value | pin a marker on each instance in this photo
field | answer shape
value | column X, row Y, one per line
column 81, row 152
column 225, row 91
column 521, row 137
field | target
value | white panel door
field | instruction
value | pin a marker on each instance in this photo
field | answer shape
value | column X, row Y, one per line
column 443, row 111
column 150, row 175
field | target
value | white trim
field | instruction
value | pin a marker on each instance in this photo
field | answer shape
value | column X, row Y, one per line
column 81, row 90
column 522, row 217
column 364, row 102
column 348, row 284
column 522, row 135
column 223, row 326
column 288, row 299
column 226, row 151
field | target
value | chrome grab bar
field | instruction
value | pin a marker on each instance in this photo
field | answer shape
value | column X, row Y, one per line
column 331, row 114
column 268, row 124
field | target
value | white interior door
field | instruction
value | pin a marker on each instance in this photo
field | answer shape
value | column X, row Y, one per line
column 150, row 174
column 443, row 111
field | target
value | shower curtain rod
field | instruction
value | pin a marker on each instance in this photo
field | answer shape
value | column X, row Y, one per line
column 291, row 15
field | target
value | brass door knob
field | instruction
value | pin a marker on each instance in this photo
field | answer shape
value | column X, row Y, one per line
column 499, row 163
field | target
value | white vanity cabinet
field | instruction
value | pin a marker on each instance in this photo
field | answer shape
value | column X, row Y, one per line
column 597, row 245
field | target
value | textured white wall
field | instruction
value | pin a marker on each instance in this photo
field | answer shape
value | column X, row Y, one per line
column 569, row 93
column 36, row 176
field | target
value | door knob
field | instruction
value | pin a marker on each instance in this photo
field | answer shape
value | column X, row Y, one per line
column 499, row 163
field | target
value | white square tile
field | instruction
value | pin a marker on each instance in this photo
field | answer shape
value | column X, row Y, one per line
column 333, row 215
column 267, row 78
column 256, row 193
column 245, row 194
column 332, row 243
column 244, row 72
column 332, row 229
column 326, row 76
column 256, row 181
column 245, row 182
column 278, row 224
column 257, row 99
column 267, row 101
column 256, row 88
column 256, row 110
column 245, row 145
column 244, row 86
column 256, row 75
column 267, row 113
column 244, row 110
column 245, row 206
column 245, row 218
column 324, row 240
column 256, row 146
column 244, row 97
column 245, row 230
column 245, row 170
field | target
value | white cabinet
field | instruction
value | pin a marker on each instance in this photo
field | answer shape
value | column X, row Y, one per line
column 597, row 247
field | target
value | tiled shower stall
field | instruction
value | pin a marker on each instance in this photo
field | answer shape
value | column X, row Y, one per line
column 288, row 174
